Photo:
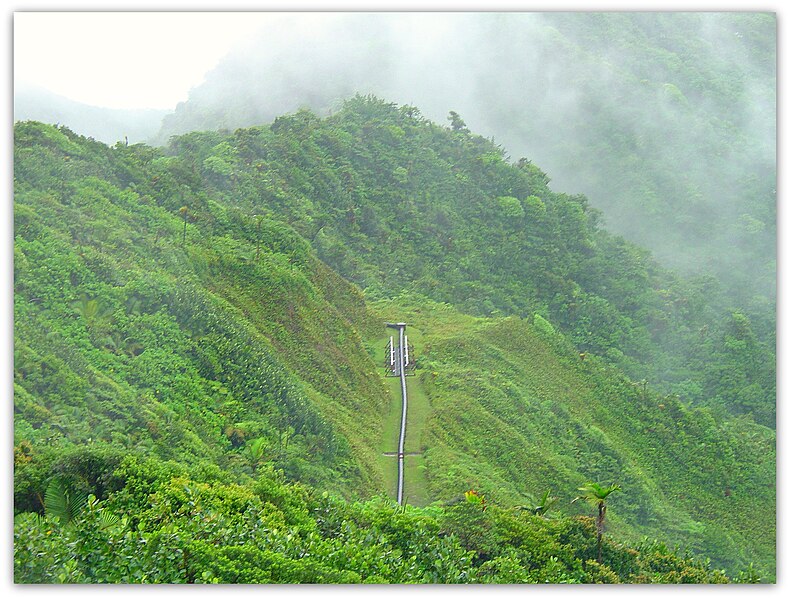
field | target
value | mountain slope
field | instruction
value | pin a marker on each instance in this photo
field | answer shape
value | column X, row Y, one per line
column 515, row 411
column 666, row 121
column 176, row 307
column 107, row 125
column 392, row 201
column 126, row 333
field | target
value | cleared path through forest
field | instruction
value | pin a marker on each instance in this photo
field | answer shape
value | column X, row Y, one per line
column 403, row 424
column 404, row 406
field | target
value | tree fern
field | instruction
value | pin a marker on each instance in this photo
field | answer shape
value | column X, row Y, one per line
column 539, row 507
column 596, row 495
column 255, row 451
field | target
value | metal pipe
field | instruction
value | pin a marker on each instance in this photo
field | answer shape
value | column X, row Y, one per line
column 402, row 440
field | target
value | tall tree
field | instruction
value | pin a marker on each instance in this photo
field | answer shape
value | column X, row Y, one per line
column 596, row 495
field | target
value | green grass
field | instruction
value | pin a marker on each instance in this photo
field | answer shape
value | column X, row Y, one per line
column 418, row 413
column 415, row 482
column 502, row 408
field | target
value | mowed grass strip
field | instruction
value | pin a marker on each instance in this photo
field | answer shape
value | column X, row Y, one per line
column 418, row 412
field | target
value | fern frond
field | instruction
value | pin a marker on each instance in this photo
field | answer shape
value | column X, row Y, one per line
column 62, row 503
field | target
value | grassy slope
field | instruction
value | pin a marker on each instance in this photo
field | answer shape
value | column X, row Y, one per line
column 325, row 350
column 126, row 335
column 507, row 409
column 512, row 412
column 415, row 483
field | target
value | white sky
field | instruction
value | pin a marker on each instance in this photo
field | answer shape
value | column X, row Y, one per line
column 124, row 60
column 153, row 59
column 146, row 59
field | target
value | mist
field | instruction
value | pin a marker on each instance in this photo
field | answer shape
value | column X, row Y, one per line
column 108, row 125
column 666, row 121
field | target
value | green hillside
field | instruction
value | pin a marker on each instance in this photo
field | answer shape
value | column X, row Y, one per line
column 125, row 332
column 392, row 201
column 192, row 322
column 515, row 411
column 666, row 121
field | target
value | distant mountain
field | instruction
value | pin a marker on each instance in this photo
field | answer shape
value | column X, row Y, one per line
column 666, row 121
column 108, row 125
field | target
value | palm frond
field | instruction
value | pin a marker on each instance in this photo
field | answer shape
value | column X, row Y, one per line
column 595, row 492
column 62, row 503
column 107, row 520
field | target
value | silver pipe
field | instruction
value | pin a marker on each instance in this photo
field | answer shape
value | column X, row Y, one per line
column 402, row 440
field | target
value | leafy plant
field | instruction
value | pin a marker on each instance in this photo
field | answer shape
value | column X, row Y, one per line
column 597, row 494
column 541, row 506
column 255, row 450
column 62, row 503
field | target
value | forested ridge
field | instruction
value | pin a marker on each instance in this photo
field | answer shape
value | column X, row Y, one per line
column 392, row 201
column 666, row 121
column 198, row 391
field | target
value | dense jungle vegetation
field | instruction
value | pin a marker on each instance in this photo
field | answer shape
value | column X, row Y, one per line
column 665, row 121
column 394, row 202
column 198, row 391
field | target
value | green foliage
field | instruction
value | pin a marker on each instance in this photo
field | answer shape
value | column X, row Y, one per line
column 542, row 325
column 595, row 493
column 513, row 409
column 255, row 451
column 62, row 503
column 373, row 187
column 510, row 207
column 153, row 360
column 221, row 343
column 541, row 506
column 177, row 529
